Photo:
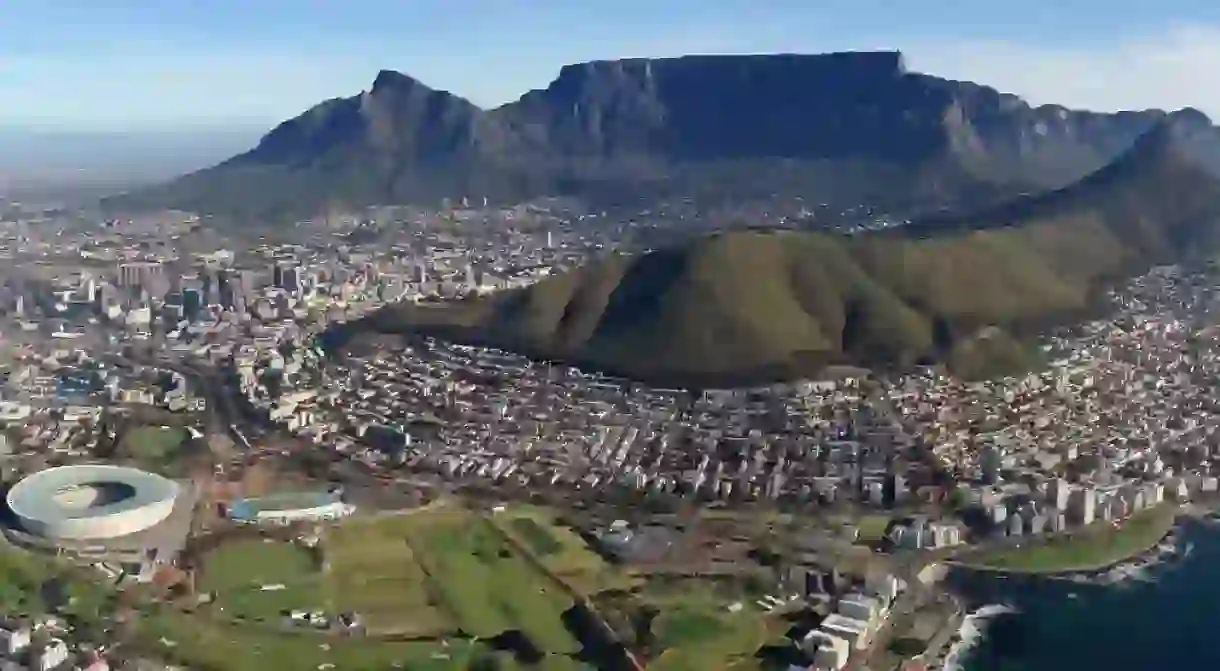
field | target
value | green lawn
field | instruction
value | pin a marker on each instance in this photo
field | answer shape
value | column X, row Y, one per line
column 250, row 562
column 708, row 639
column 208, row 645
column 540, row 541
column 154, row 444
column 487, row 588
column 373, row 571
column 1096, row 546
column 872, row 528
column 437, row 575
column 687, row 627
column 445, row 569
column 561, row 550
column 238, row 570
column 694, row 629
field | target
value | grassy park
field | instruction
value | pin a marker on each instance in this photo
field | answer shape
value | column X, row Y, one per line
column 373, row 570
column 694, row 629
column 1094, row 547
column 258, row 579
column 487, row 588
column 444, row 578
column 202, row 643
column 433, row 573
column 153, row 445
column 440, row 588
column 561, row 550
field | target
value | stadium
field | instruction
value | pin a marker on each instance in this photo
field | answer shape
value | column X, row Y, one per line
column 289, row 507
column 100, row 511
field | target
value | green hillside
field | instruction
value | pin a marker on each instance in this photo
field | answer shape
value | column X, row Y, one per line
column 742, row 306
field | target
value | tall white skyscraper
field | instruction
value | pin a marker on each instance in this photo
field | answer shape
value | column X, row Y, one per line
column 1058, row 493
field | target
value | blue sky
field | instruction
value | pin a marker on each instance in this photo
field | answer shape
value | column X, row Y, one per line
column 170, row 64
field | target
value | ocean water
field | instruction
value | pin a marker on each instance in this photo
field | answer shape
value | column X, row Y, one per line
column 1168, row 619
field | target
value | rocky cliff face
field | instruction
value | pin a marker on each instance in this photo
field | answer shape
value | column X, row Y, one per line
column 849, row 126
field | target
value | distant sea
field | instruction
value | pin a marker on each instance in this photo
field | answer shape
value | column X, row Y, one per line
column 1170, row 622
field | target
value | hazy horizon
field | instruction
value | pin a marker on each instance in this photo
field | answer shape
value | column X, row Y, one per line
column 43, row 159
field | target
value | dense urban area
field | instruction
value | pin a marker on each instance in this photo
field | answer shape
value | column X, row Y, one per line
column 422, row 504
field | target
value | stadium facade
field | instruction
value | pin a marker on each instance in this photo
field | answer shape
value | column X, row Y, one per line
column 287, row 508
column 102, row 511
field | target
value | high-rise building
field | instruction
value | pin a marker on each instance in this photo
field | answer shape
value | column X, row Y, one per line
column 1084, row 505
column 1058, row 493
column 139, row 273
column 989, row 462
column 247, row 282
column 287, row 278
column 192, row 303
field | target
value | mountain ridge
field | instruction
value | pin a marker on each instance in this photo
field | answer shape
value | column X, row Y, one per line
column 745, row 307
column 824, row 126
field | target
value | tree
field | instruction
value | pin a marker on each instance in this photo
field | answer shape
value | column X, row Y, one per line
column 956, row 500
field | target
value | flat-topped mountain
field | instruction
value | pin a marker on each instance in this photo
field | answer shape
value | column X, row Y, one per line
column 846, row 128
column 754, row 305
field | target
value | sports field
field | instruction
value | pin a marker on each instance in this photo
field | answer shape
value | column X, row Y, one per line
column 259, row 579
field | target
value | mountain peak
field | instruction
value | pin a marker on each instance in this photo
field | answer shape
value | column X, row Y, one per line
column 1192, row 117
column 393, row 80
column 1175, row 137
column 745, row 127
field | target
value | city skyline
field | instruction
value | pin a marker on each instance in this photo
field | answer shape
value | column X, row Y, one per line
column 128, row 66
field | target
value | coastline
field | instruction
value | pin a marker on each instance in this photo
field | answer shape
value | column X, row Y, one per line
column 1168, row 527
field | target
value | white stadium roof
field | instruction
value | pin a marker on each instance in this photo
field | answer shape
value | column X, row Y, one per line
column 91, row 501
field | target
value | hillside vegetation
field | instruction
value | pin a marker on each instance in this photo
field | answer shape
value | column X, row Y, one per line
column 742, row 306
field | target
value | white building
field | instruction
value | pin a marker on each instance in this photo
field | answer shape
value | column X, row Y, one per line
column 14, row 640
column 860, row 607
column 1084, row 504
column 52, row 655
column 885, row 586
column 830, row 653
column 1154, row 493
column 855, row 632
column 944, row 535
column 1058, row 493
